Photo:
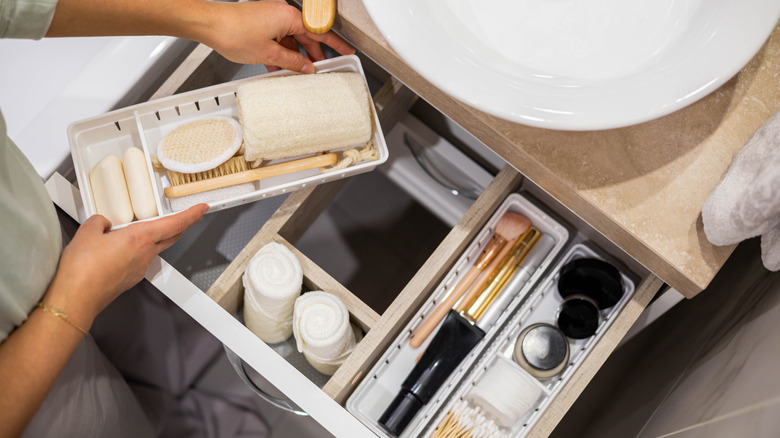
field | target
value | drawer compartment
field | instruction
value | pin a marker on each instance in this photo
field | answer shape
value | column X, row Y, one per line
column 298, row 212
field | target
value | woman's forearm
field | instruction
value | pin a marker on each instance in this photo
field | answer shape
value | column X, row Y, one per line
column 31, row 358
column 180, row 18
column 245, row 32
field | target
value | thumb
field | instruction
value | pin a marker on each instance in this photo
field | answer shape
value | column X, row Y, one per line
column 96, row 224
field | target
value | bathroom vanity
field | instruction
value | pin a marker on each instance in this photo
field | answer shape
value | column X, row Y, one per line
column 634, row 192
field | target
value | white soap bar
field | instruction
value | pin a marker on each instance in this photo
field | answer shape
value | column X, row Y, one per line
column 138, row 184
column 109, row 190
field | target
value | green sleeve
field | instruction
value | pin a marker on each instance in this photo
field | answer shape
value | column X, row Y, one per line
column 28, row 19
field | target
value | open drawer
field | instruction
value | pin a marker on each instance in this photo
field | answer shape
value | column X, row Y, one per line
column 300, row 209
column 325, row 399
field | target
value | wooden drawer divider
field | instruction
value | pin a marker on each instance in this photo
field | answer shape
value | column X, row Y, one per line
column 299, row 211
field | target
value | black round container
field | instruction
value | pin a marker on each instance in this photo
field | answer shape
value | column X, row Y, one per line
column 594, row 278
column 578, row 317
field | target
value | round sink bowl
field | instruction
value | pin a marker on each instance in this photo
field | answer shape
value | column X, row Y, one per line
column 576, row 64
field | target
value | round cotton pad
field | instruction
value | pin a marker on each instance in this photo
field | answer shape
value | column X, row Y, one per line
column 200, row 145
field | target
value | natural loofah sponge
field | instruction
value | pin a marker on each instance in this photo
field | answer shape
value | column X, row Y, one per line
column 200, row 145
column 287, row 116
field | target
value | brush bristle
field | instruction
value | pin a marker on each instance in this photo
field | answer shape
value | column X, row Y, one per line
column 512, row 225
column 233, row 165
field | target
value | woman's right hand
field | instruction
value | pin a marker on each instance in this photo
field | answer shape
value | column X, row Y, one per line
column 99, row 264
column 264, row 32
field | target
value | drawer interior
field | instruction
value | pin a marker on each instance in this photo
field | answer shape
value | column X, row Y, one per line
column 381, row 325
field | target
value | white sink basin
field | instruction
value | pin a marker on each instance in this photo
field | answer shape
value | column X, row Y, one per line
column 54, row 82
column 576, row 64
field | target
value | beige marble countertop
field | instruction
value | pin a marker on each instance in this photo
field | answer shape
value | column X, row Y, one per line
column 642, row 186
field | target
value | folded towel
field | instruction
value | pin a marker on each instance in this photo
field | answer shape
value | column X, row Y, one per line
column 746, row 202
column 272, row 283
column 322, row 330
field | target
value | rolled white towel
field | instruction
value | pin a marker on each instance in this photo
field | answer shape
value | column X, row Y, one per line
column 322, row 330
column 272, row 283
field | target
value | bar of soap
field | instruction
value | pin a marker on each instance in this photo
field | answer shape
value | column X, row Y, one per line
column 139, row 185
column 109, row 190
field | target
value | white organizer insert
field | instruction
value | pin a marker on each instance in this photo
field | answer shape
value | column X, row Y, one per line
column 145, row 124
column 383, row 382
column 540, row 307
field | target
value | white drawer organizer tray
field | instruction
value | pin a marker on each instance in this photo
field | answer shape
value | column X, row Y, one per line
column 145, row 124
column 540, row 306
column 382, row 383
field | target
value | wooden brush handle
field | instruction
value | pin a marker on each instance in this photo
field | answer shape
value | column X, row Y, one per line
column 251, row 175
column 479, row 285
column 318, row 15
column 440, row 312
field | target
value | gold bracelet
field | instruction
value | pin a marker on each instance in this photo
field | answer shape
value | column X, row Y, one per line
column 60, row 314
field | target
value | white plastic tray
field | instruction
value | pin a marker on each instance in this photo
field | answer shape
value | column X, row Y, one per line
column 383, row 382
column 540, row 307
column 145, row 124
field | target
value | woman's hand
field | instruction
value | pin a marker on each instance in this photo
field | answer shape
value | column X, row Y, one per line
column 252, row 32
column 266, row 32
column 99, row 264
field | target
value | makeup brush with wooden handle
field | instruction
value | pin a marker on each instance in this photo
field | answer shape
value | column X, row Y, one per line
column 508, row 228
column 486, row 291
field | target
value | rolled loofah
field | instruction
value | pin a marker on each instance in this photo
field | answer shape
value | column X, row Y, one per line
column 322, row 330
column 288, row 116
column 272, row 283
column 505, row 392
column 745, row 203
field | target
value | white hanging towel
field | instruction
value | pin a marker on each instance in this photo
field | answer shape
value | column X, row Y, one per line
column 322, row 330
column 272, row 283
column 746, row 202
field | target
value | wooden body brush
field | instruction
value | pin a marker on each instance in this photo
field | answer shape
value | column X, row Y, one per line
column 228, row 179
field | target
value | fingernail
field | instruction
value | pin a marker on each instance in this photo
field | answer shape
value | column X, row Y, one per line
column 204, row 208
column 308, row 68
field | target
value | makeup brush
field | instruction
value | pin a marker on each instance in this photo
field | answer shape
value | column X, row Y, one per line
column 519, row 278
column 458, row 335
column 508, row 228
column 499, row 276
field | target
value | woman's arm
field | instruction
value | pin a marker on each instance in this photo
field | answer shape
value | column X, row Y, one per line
column 249, row 32
column 95, row 267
